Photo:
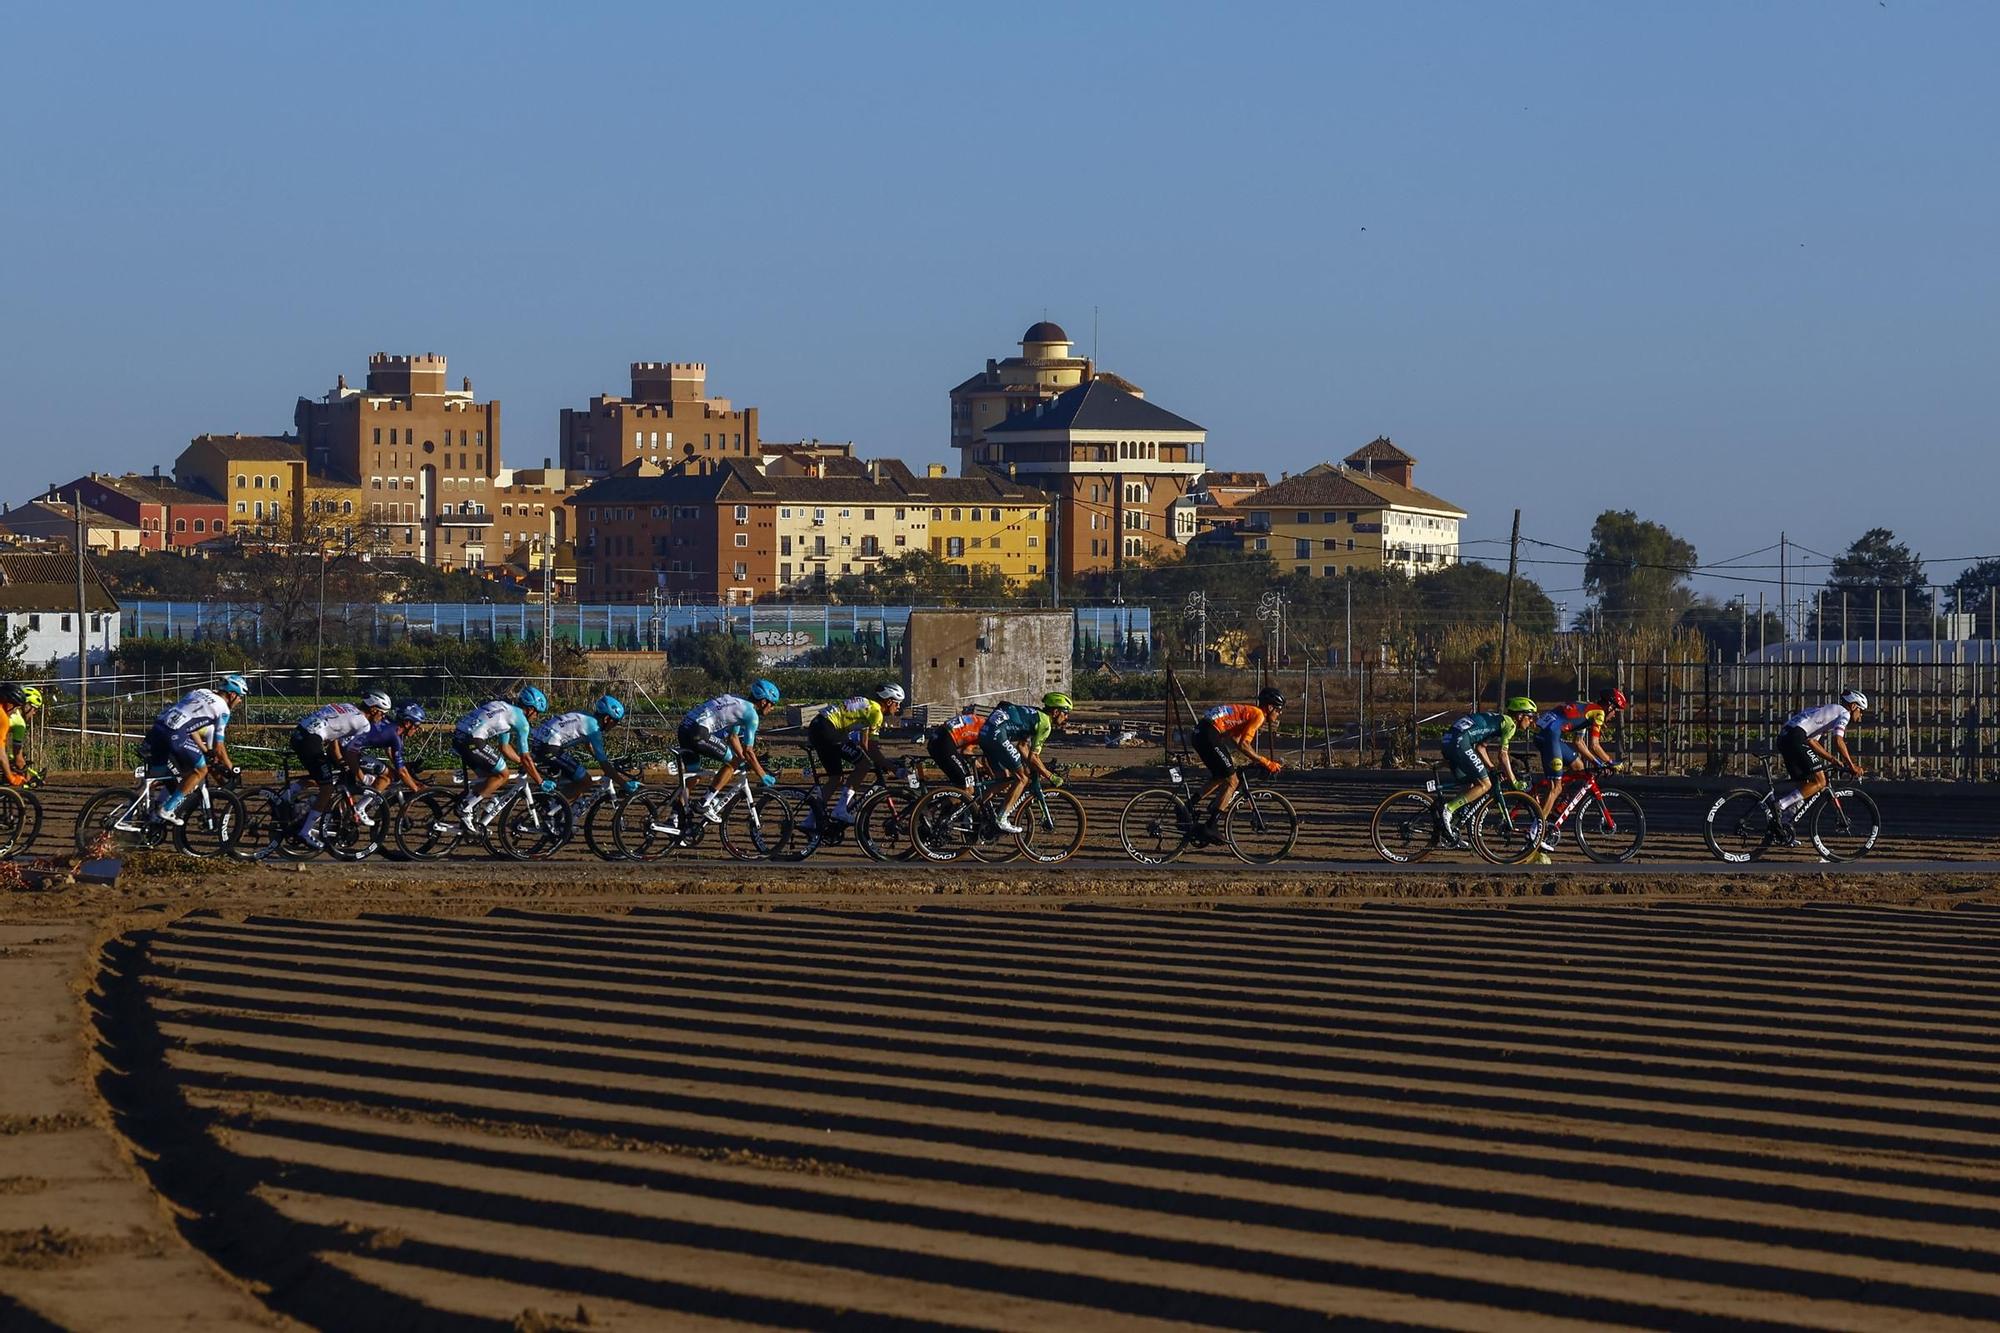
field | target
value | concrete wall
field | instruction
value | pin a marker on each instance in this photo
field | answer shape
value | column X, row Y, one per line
column 982, row 657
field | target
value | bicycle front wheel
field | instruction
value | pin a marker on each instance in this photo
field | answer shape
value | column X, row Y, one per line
column 1502, row 826
column 426, row 827
column 1154, row 826
column 1054, row 827
column 535, row 827
column 211, row 830
column 942, row 824
column 1262, row 827
column 1739, row 827
column 1610, row 827
column 762, row 825
column 597, row 832
column 18, row 820
column 1846, row 824
column 1404, row 827
column 345, row 837
column 882, row 825
column 647, row 826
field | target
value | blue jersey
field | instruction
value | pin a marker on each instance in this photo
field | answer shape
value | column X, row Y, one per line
column 384, row 735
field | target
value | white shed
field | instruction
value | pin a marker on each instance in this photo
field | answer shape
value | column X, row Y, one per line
column 38, row 597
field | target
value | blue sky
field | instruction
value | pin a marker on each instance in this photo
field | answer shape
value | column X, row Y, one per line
column 1730, row 265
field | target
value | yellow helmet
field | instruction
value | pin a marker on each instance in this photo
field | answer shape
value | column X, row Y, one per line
column 31, row 696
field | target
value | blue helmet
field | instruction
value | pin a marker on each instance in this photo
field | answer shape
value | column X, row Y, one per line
column 410, row 713
column 609, row 709
column 763, row 691
column 531, row 697
column 234, row 684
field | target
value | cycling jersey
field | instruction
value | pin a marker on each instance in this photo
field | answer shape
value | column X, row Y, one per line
column 559, row 731
column 725, row 715
column 1239, row 722
column 1018, row 722
column 196, row 711
column 1565, row 718
column 335, row 722
column 1827, row 719
column 962, row 730
column 498, row 720
column 1481, row 729
column 384, row 735
column 854, row 714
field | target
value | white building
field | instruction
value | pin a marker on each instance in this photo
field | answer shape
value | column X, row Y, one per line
column 38, row 600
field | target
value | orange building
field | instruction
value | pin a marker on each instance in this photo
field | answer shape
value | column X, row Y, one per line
column 668, row 419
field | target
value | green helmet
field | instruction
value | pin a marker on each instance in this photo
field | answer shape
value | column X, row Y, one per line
column 1521, row 703
column 1055, row 699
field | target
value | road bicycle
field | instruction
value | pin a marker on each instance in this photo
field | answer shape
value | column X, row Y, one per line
column 1408, row 825
column 130, row 816
column 514, row 822
column 878, row 817
column 20, row 814
column 595, row 809
column 1842, row 822
column 1157, row 825
column 1609, row 824
column 351, row 829
column 950, row 822
column 756, row 822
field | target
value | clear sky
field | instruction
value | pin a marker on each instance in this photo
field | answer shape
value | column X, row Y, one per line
column 1728, row 264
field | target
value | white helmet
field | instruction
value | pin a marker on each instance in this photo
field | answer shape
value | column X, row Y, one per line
column 890, row 694
column 1855, row 699
column 375, row 699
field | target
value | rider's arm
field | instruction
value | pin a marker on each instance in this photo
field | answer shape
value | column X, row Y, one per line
column 1847, row 755
column 746, row 754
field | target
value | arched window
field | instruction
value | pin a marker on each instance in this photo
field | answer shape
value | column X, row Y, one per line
column 274, row 483
column 241, row 481
column 347, row 506
column 180, row 525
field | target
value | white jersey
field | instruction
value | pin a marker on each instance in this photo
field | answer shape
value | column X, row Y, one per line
column 197, row 710
column 559, row 730
column 1821, row 721
column 724, row 715
column 336, row 722
column 493, row 719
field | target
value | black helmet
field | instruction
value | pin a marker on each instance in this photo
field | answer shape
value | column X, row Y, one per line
column 12, row 694
column 1271, row 697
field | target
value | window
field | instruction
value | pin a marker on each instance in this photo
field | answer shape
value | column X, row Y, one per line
column 785, row 573
column 901, row 540
column 954, row 546
column 1350, row 515
column 899, row 515
column 1326, row 571
column 819, row 516
column 1261, row 544
column 954, row 515
column 819, row 546
column 242, row 482
column 742, row 539
column 978, row 542
column 847, row 513
column 1350, row 543
column 392, row 483
column 65, row 624
column 784, row 546
column 1329, row 517
column 274, row 483
column 784, row 513
column 180, row 525
column 242, row 507
column 1304, row 517
column 346, row 507
column 867, row 515
column 1033, row 541
column 200, row 524
column 742, row 513
column 742, row 570
column 378, row 435
column 1302, row 548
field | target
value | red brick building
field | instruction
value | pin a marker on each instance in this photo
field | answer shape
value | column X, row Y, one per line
column 710, row 536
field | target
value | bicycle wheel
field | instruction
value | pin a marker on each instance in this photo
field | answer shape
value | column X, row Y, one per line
column 426, row 827
column 345, row 837
column 1153, row 828
column 291, row 814
column 1610, row 827
column 1846, row 823
column 1261, row 827
column 882, row 824
column 597, row 831
column 1739, row 827
column 534, row 826
column 17, row 821
column 1052, row 826
column 1500, row 824
column 942, row 824
column 261, row 824
column 98, row 823
column 763, row 826
column 1404, row 827
column 211, row 830
column 989, row 844
column 647, row 825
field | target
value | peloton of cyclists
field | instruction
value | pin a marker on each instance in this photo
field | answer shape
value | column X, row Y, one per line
column 1225, row 732
column 1474, row 744
column 1807, row 757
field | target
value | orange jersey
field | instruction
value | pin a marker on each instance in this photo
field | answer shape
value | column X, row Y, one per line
column 963, row 729
column 1239, row 722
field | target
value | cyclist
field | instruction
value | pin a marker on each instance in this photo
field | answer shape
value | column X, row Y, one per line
column 188, row 732
column 1012, row 739
column 1469, row 746
column 1806, row 756
column 1226, row 731
column 951, row 742
column 557, row 736
column 389, row 734
column 16, row 703
column 489, row 738
column 725, row 729
column 1570, row 734
column 325, row 741
column 844, row 733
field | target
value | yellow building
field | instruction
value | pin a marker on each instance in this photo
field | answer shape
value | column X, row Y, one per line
column 1364, row 514
column 987, row 521
column 259, row 478
column 332, row 507
column 839, row 517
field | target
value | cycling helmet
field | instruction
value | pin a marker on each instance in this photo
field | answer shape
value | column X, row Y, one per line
column 609, row 709
column 891, row 693
column 1855, row 698
column 234, row 684
column 1614, row 699
column 13, row 695
column 532, row 697
column 763, row 692
column 1521, row 703
column 376, row 699
column 1270, row 697
column 1055, row 699
column 410, row 713
column 31, row 696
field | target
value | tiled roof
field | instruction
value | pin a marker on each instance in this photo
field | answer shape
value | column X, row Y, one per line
column 729, row 482
column 1328, row 487
column 1098, row 405
column 47, row 582
column 253, row 448
column 1381, row 449
column 154, row 490
column 61, row 509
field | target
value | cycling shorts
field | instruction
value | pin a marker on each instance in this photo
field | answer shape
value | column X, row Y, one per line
column 1557, row 754
column 563, row 764
column 945, row 754
column 836, row 750
column 1003, row 753
column 697, row 743
column 1214, row 750
column 1466, row 763
column 1801, row 762
column 162, row 746
column 314, row 755
column 482, row 759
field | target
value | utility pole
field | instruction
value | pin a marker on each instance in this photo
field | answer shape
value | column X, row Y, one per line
column 1507, row 606
column 1347, row 649
column 1055, row 545
column 82, row 633
column 319, row 631
column 549, row 602
column 1784, row 592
